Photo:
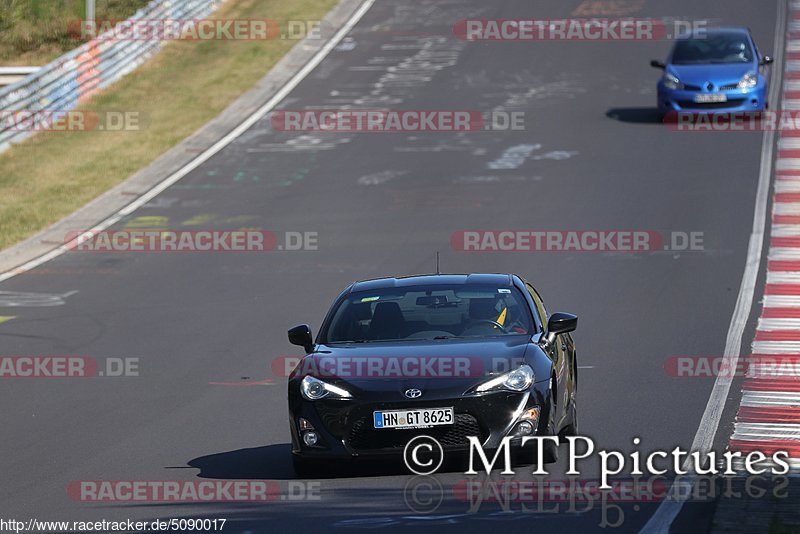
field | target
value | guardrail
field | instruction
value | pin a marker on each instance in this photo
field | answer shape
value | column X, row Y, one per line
column 9, row 75
column 74, row 77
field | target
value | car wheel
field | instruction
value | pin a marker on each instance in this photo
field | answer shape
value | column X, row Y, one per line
column 572, row 428
column 550, row 452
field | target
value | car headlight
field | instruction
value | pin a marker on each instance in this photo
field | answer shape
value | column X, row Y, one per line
column 314, row 389
column 671, row 81
column 748, row 81
column 519, row 379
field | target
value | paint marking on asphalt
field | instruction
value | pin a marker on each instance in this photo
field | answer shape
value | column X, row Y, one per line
column 245, row 383
column 786, row 230
column 669, row 508
column 764, row 398
column 776, row 347
column 787, row 164
column 781, row 301
column 783, row 277
column 6, row 318
column 789, row 323
column 209, row 152
column 786, row 208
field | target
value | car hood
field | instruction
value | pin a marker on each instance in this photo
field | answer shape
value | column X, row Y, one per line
column 440, row 366
column 716, row 74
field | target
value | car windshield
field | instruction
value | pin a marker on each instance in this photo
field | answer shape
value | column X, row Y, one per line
column 430, row 312
column 714, row 48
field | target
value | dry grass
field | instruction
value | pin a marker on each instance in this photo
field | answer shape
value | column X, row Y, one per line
column 51, row 174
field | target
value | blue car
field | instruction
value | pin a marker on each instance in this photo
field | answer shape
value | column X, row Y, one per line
column 718, row 70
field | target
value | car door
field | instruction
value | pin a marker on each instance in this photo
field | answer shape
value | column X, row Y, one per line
column 560, row 353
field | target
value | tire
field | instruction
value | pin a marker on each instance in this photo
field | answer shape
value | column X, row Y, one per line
column 572, row 428
column 550, row 452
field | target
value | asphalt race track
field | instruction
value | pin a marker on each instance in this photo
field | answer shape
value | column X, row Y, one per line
column 207, row 327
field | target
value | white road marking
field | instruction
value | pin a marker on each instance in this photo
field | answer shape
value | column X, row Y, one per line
column 766, row 431
column 513, row 157
column 789, row 143
column 787, row 164
column 784, row 253
column 783, row 277
column 786, row 230
column 776, row 347
column 771, row 398
column 777, row 323
column 781, row 301
column 791, row 104
column 786, row 208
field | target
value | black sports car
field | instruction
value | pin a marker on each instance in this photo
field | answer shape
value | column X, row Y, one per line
column 448, row 356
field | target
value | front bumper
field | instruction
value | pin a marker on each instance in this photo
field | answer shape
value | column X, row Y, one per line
column 737, row 100
column 346, row 430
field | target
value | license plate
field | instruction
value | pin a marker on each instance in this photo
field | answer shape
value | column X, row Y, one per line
column 422, row 418
column 710, row 98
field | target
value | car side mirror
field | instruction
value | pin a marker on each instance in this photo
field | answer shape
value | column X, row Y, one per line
column 301, row 335
column 657, row 64
column 559, row 323
column 766, row 60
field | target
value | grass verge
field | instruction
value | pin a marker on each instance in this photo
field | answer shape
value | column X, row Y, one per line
column 35, row 32
column 190, row 82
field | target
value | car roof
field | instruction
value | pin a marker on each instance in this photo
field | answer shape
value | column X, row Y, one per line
column 433, row 279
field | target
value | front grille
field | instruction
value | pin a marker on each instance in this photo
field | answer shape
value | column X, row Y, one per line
column 363, row 436
column 689, row 87
column 729, row 87
column 731, row 103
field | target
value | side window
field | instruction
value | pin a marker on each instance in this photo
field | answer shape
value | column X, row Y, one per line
column 537, row 300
